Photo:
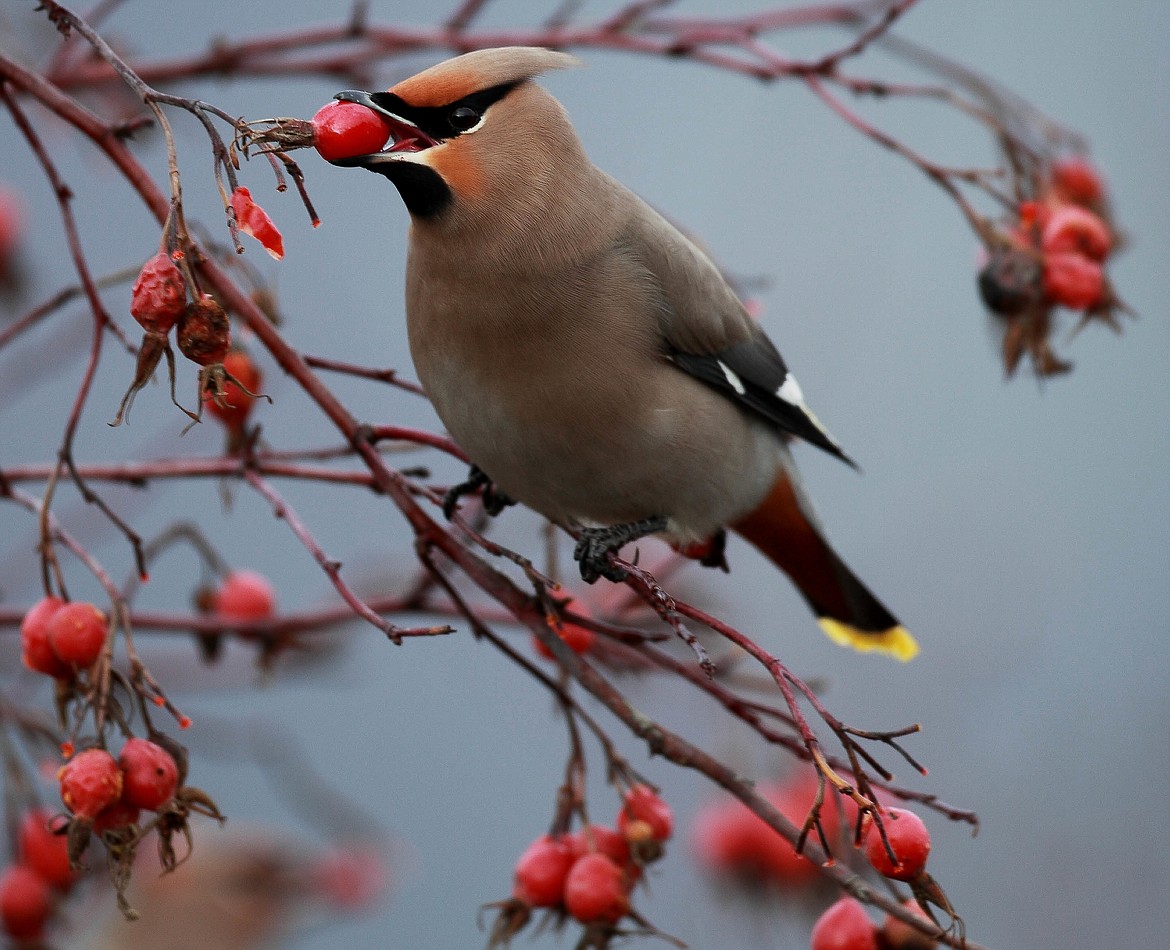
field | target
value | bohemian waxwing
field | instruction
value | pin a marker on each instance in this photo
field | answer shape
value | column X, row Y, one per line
column 590, row 359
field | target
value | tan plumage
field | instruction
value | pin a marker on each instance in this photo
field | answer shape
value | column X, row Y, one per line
column 590, row 359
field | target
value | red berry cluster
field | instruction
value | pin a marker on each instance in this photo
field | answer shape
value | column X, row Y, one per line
column 31, row 888
column 1052, row 253
column 159, row 302
column 108, row 793
column 59, row 639
column 589, row 874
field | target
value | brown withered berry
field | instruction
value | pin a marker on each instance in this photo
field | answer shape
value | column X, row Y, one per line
column 205, row 333
column 1010, row 282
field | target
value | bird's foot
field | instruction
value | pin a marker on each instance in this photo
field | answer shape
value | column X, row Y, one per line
column 596, row 545
column 494, row 500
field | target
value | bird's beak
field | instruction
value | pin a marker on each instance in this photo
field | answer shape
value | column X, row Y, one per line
column 406, row 138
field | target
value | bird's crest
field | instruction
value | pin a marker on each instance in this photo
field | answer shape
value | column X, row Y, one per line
column 453, row 79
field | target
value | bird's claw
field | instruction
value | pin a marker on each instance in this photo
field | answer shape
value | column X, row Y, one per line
column 592, row 556
column 595, row 546
column 494, row 500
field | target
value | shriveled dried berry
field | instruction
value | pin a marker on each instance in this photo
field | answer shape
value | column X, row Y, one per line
column 1010, row 281
column 159, row 294
column 205, row 333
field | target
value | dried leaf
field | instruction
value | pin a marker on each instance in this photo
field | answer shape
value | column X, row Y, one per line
column 255, row 222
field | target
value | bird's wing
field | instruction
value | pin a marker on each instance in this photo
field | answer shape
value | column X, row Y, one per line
column 707, row 333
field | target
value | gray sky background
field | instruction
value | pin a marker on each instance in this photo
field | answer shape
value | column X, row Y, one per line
column 1020, row 529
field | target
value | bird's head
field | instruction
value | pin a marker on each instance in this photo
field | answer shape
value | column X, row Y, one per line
column 471, row 131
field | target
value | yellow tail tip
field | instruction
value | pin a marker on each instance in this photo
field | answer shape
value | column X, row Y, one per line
column 896, row 641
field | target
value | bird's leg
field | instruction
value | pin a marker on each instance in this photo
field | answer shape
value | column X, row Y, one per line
column 596, row 544
column 494, row 500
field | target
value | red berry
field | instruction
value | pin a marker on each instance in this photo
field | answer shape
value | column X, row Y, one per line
column 35, row 650
column 149, row 774
column 204, row 333
column 245, row 596
column 602, row 839
column 844, row 926
column 1076, row 229
column 897, row 935
column 346, row 129
column 77, row 633
column 539, row 875
column 351, row 877
column 643, row 804
column 578, row 639
column 1033, row 216
column 234, row 405
column 118, row 816
column 11, row 222
column 597, row 890
column 25, row 902
column 90, row 782
column 1078, row 181
column 1073, row 280
column 43, row 851
column 159, row 294
column 728, row 837
column 909, row 840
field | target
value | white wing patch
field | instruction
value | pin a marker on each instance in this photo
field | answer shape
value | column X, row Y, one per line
column 732, row 379
column 790, row 392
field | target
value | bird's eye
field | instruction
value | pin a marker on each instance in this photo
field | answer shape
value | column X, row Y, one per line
column 463, row 118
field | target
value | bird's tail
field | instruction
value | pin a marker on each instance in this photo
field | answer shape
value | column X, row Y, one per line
column 784, row 528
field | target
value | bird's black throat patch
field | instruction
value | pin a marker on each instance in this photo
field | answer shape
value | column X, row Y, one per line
column 423, row 190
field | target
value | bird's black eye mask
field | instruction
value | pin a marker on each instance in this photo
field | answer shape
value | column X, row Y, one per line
column 414, row 128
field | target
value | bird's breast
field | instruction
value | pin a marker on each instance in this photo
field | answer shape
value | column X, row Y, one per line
column 558, row 390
